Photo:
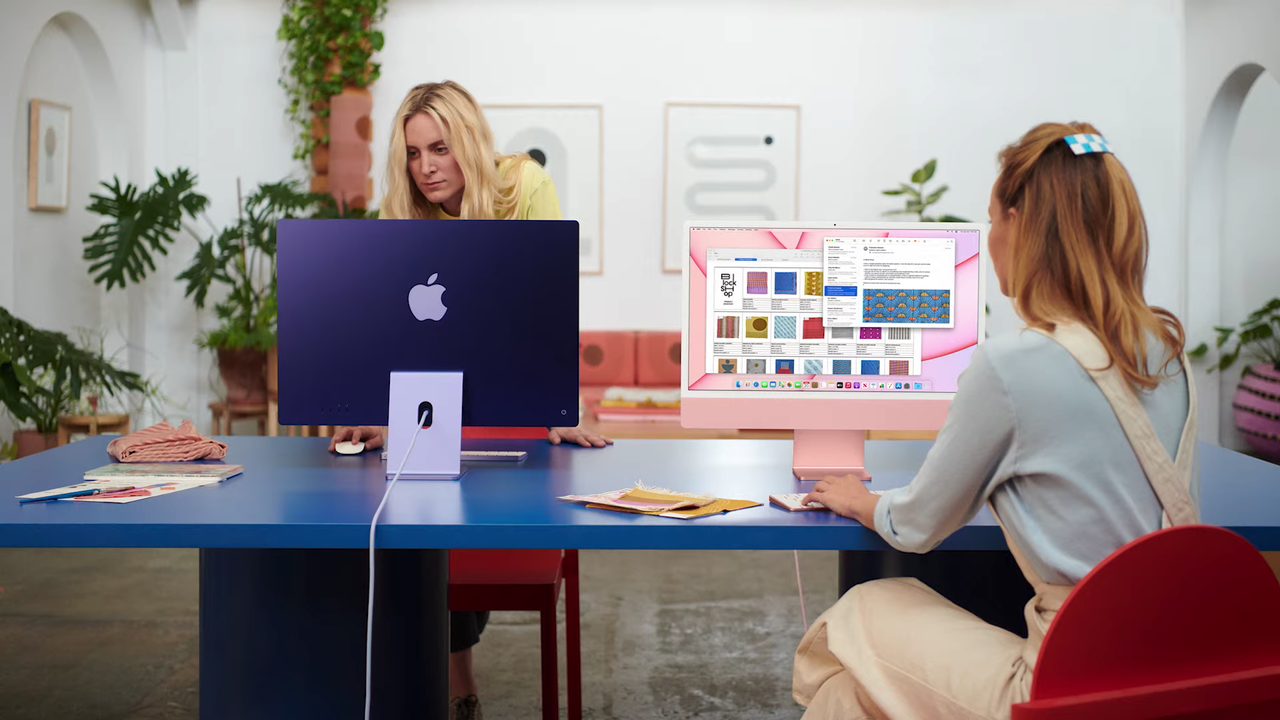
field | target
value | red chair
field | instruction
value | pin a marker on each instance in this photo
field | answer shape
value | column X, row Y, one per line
column 526, row 580
column 1181, row 623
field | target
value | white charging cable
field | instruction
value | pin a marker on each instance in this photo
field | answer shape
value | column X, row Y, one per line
column 800, row 588
column 373, row 527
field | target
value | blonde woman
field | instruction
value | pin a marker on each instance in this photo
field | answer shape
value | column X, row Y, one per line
column 1078, row 432
column 442, row 165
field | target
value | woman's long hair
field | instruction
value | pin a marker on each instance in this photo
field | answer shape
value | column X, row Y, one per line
column 1078, row 248
column 488, row 194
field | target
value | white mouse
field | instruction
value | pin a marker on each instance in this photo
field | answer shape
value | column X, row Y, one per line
column 349, row 448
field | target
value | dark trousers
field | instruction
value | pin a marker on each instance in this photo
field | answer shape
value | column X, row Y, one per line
column 465, row 627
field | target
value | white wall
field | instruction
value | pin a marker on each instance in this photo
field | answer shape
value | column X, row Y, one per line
column 1231, row 121
column 883, row 87
column 1250, row 234
column 52, row 289
column 88, row 53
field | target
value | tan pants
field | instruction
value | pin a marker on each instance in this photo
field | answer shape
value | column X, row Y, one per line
column 896, row 649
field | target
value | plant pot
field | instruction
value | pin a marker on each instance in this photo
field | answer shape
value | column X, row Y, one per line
column 244, row 373
column 1257, row 409
column 30, row 442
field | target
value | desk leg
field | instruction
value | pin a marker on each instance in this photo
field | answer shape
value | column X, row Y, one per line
column 986, row 583
column 282, row 633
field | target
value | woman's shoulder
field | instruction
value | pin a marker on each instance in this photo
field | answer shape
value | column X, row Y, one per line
column 530, row 172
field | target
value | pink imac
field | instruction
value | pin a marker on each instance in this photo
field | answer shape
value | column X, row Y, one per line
column 828, row 329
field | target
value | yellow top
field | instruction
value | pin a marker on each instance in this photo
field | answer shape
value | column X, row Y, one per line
column 538, row 199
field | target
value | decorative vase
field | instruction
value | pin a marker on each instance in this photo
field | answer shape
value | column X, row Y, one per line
column 1257, row 409
column 30, row 442
column 244, row 373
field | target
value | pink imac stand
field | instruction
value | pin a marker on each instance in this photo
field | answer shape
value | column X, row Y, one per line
column 817, row 454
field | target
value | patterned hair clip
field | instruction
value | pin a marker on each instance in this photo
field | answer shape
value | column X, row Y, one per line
column 1087, row 143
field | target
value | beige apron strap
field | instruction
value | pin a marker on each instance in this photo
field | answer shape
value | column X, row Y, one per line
column 1170, row 479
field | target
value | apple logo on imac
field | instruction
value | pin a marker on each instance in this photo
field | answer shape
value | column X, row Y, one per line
column 426, row 301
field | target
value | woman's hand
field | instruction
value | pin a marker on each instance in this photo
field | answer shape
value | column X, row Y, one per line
column 370, row 435
column 576, row 435
column 846, row 496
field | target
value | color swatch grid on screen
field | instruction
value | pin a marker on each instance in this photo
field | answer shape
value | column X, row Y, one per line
column 784, row 283
column 757, row 283
column 906, row 306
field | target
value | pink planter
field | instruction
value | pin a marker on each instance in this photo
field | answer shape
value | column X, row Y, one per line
column 1257, row 409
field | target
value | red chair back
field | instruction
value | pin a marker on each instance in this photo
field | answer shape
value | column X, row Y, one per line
column 1178, row 622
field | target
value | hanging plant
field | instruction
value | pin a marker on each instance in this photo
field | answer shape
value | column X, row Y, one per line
column 330, row 46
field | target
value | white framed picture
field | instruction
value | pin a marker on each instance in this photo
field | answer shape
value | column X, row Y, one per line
column 727, row 162
column 567, row 140
column 49, row 156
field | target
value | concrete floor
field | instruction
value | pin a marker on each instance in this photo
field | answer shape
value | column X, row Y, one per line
column 112, row 634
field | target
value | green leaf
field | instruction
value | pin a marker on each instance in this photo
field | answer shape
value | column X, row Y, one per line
column 907, row 189
column 138, row 225
column 1198, row 351
column 894, row 192
column 929, row 168
column 936, row 195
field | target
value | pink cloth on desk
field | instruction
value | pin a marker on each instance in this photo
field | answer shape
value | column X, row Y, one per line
column 163, row 443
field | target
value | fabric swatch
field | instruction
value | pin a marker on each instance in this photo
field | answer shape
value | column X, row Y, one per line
column 841, row 367
column 813, row 329
column 758, row 327
column 784, row 283
column 757, row 283
column 813, row 283
column 814, row 367
column 870, row 367
column 869, row 333
column 727, row 327
column 757, row 366
column 727, row 365
column 784, row 327
column 899, row 367
column 842, row 333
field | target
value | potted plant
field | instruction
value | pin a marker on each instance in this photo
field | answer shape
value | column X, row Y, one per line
column 240, row 257
column 42, row 376
column 1257, row 399
column 918, row 200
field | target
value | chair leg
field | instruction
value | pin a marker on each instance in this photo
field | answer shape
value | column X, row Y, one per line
column 550, row 670
column 572, row 635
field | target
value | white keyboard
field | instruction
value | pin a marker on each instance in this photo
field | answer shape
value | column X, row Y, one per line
column 494, row 455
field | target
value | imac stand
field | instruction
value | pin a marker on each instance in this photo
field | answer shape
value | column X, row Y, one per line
column 817, row 454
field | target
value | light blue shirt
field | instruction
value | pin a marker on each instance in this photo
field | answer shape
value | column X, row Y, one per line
column 1030, row 430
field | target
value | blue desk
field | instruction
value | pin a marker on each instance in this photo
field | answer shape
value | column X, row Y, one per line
column 284, row 580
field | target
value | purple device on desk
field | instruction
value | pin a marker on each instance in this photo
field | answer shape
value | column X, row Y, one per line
column 494, row 299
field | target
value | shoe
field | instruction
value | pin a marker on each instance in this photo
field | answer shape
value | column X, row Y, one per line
column 467, row 708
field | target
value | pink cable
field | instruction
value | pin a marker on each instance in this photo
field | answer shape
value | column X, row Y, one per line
column 800, row 588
